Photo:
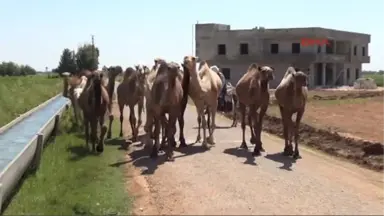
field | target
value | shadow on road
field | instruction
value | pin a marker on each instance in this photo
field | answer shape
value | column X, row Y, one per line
column 217, row 127
column 280, row 158
column 190, row 150
column 238, row 152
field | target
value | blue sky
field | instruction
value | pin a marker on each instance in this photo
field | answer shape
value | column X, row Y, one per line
column 128, row 32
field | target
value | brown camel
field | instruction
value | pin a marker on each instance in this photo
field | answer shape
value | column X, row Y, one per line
column 252, row 92
column 185, row 85
column 131, row 93
column 94, row 102
column 291, row 95
column 204, row 90
column 166, row 97
column 113, row 72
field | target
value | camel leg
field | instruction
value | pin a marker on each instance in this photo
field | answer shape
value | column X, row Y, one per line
column 155, row 147
column 212, row 110
column 132, row 121
column 109, row 133
column 263, row 110
column 255, row 122
column 287, row 148
column 93, row 133
column 86, row 125
column 299, row 115
column 171, row 130
column 242, row 112
column 163, row 131
column 234, row 112
column 198, row 138
column 139, row 112
column 251, row 127
column 121, row 108
column 181, row 132
column 103, row 131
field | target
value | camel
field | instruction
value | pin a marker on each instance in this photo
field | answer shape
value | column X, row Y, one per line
column 166, row 97
column 113, row 72
column 130, row 93
column 94, row 102
column 76, row 86
column 204, row 90
column 252, row 92
column 185, row 85
column 291, row 95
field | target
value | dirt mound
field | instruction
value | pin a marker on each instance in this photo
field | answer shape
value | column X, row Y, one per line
column 365, row 83
column 365, row 153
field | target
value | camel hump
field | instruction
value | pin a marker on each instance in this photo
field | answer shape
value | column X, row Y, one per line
column 215, row 68
column 253, row 66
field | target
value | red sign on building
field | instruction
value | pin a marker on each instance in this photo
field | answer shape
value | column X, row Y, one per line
column 314, row 41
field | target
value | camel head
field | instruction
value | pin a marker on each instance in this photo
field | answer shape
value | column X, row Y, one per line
column 266, row 73
column 189, row 63
column 173, row 69
column 300, row 78
column 114, row 71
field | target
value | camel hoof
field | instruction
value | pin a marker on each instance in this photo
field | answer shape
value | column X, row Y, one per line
column 121, row 134
column 182, row 143
column 288, row 151
column 154, row 154
column 198, row 139
column 100, row 148
column 210, row 140
column 296, row 155
column 253, row 140
column 244, row 145
column 205, row 146
column 256, row 153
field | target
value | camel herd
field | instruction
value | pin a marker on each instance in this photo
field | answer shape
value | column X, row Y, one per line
column 163, row 91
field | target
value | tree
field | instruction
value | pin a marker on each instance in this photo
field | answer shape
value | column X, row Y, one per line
column 87, row 57
column 13, row 69
column 67, row 62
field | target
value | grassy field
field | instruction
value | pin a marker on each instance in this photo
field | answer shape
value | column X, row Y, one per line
column 20, row 94
column 379, row 78
column 71, row 181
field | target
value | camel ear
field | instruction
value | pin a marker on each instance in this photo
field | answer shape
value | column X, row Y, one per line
column 297, row 69
column 272, row 68
column 259, row 68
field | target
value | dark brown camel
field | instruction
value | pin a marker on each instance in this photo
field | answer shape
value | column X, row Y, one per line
column 113, row 72
column 291, row 95
column 252, row 91
column 94, row 102
column 166, row 97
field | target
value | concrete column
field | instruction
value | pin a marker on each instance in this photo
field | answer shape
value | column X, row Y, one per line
column 335, row 73
column 334, row 47
column 344, row 81
column 323, row 74
column 311, row 80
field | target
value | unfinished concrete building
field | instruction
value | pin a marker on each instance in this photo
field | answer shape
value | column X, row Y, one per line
column 335, row 64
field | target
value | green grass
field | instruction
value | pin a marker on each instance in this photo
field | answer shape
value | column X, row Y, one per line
column 71, row 181
column 20, row 94
column 379, row 78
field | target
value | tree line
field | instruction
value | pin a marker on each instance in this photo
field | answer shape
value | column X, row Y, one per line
column 13, row 69
column 86, row 57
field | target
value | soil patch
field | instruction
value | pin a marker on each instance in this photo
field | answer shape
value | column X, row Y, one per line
column 347, row 116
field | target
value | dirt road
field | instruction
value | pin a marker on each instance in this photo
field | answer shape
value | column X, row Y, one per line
column 226, row 180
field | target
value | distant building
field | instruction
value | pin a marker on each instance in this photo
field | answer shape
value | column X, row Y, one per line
column 338, row 63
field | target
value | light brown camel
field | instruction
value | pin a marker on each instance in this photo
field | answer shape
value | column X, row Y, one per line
column 73, row 87
column 130, row 93
column 291, row 95
column 94, row 102
column 252, row 91
column 204, row 90
column 166, row 97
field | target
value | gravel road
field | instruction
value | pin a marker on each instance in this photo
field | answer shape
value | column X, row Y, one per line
column 227, row 180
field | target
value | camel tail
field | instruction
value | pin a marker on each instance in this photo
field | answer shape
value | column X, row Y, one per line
column 97, row 94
